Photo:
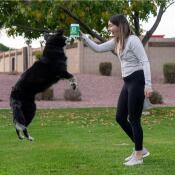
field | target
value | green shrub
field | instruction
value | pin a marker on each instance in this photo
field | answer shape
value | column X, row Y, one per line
column 156, row 98
column 169, row 72
column 48, row 94
column 72, row 95
column 105, row 68
column 38, row 54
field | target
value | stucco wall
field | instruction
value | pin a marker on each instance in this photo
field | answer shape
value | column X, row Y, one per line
column 2, row 67
column 73, row 63
column 91, row 61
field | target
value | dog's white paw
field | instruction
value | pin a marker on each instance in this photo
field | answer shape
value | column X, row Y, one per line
column 30, row 138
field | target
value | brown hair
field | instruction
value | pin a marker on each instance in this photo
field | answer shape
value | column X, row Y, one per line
column 124, row 31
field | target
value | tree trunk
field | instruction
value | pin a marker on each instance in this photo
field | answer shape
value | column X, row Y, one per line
column 136, row 23
column 154, row 27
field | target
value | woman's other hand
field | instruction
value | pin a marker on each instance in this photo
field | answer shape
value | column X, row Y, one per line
column 148, row 91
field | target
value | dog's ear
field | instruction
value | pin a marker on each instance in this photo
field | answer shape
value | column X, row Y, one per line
column 46, row 36
column 60, row 32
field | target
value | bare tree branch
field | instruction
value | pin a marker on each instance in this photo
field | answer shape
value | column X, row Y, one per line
column 168, row 6
column 153, row 28
column 87, row 28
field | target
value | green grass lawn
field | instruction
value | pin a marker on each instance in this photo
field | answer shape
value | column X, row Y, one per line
column 85, row 142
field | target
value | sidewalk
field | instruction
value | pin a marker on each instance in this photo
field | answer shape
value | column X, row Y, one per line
column 97, row 91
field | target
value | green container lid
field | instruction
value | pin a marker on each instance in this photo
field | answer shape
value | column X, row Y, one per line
column 74, row 30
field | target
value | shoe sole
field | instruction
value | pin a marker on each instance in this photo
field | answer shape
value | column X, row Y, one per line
column 140, row 163
column 144, row 156
column 128, row 158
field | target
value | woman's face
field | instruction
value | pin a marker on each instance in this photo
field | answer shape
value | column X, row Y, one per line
column 113, row 29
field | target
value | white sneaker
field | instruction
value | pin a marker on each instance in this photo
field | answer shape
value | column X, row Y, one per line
column 134, row 161
column 130, row 157
column 145, row 153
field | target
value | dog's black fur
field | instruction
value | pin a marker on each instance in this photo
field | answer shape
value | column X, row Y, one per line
column 44, row 73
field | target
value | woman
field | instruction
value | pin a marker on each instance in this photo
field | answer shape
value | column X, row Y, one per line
column 136, row 74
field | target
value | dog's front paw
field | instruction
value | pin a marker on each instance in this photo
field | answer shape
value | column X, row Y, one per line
column 73, row 83
column 74, row 86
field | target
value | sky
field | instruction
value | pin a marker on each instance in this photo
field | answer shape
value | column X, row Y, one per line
column 166, row 27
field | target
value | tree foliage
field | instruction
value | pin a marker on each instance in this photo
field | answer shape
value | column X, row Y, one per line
column 3, row 48
column 31, row 18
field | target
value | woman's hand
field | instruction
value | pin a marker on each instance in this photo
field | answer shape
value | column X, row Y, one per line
column 84, row 36
column 148, row 91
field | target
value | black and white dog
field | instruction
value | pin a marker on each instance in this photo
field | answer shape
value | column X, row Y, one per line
column 40, row 76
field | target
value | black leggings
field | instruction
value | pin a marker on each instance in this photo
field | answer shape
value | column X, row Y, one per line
column 130, row 105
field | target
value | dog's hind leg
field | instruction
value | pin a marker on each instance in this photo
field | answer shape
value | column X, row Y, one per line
column 18, row 118
column 29, row 109
column 22, row 129
column 20, row 136
column 27, row 135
